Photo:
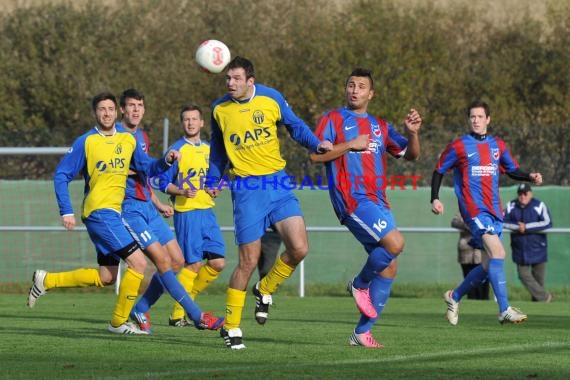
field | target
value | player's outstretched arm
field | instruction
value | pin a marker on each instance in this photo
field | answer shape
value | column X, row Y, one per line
column 172, row 155
column 360, row 143
column 324, row 146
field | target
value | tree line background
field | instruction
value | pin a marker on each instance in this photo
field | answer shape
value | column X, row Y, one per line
column 55, row 57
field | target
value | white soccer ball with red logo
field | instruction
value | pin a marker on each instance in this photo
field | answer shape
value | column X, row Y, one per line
column 213, row 56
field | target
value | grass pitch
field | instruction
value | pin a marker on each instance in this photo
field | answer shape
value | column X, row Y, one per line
column 65, row 337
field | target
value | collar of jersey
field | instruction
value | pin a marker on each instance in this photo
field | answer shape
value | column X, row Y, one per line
column 356, row 114
column 104, row 135
column 478, row 137
column 191, row 143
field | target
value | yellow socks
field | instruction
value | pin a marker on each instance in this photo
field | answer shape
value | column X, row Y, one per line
column 79, row 278
column 279, row 273
column 235, row 301
column 206, row 275
column 128, row 292
column 186, row 278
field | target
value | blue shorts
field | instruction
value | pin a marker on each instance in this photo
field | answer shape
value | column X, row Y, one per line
column 265, row 201
column 369, row 223
column 198, row 234
column 111, row 239
column 145, row 224
column 483, row 223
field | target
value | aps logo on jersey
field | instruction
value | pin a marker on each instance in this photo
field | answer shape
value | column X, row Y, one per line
column 114, row 162
column 250, row 136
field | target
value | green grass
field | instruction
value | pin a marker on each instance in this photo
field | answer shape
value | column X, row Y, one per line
column 65, row 336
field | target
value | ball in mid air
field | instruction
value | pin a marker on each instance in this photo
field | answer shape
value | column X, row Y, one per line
column 213, row 56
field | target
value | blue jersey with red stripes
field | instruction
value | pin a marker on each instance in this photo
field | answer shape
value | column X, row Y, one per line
column 477, row 164
column 137, row 183
column 359, row 176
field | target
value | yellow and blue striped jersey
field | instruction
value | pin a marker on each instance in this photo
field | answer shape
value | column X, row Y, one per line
column 104, row 162
column 245, row 133
column 190, row 172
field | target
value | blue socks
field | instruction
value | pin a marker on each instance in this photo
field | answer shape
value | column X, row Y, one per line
column 497, row 278
column 378, row 260
column 499, row 282
column 168, row 281
column 176, row 291
column 151, row 295
column 473, row 278
column 379, row 293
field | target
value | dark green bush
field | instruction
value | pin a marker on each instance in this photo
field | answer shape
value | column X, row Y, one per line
column 53, row 58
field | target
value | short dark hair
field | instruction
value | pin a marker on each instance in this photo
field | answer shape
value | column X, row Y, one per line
column 479, row 104
column 130, row 93
column 105, row 95
column 360, row 72
column 244, row 63
column 190, row 107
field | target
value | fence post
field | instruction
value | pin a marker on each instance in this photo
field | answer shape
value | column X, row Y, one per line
column 165, row 132
column 302, row 279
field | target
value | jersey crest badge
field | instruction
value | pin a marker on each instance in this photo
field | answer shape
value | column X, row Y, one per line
column 376, row 130
column 258, row 117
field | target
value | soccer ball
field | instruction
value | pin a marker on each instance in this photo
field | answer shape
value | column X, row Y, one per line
column 213, row 56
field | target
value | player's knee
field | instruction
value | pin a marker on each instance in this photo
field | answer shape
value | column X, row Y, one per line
column 163, row 263
column 177, row 263
column 398, row 248
column 137, row 263
column 175, row 254
column 294, row 255
column 394, row 243
column 217, row 264
column 302, row 250
column 298, row 253
column 108, row 278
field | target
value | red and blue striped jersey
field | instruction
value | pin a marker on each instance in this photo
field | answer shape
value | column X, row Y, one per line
column 358, row 176
column 477, row 164
column 137, row 183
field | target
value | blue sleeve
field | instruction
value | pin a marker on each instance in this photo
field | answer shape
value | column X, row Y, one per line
column 169, row 176
column 297, row 128
column 142, row 162
column 218, row 155
column 507, row 161
column 447, row 160
column 160, row 181
column 68, row 168
column 396, row 144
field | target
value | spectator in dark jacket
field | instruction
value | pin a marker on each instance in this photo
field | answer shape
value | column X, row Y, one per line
column 527, row 217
